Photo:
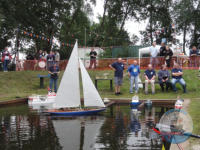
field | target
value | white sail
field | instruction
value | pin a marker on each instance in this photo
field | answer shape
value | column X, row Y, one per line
column 68, row 133
column 68, row 94
column 91, row 95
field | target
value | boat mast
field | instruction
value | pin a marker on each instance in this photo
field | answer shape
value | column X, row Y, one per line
column 79, row 77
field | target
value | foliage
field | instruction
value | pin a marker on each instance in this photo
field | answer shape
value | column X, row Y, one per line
column 67, row 20
column 107, row 53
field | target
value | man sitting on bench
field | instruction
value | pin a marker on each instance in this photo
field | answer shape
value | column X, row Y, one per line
column 163, row 78
column 150, row 75
column 177, row 77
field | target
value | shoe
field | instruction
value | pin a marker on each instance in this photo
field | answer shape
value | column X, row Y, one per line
column 119, row 93
column 153, row 93
column 136, row 92
column 116, row 94
column 131, row 92
column 146, row 93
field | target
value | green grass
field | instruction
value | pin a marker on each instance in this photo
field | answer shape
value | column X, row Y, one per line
column 22, row 84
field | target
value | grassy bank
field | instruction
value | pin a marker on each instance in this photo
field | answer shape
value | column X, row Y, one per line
column 25, row 83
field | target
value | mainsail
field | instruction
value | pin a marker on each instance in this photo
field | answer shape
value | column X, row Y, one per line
column 91, row 95
column 68, row 94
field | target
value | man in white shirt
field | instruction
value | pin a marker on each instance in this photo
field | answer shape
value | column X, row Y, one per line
column 154, row 53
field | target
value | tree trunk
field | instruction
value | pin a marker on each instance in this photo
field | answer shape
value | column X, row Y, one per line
column 151, row 22
column 184, row 37
column 124, row 19
column 103, row 20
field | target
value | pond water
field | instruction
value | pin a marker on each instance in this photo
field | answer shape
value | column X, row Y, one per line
column 123, row 129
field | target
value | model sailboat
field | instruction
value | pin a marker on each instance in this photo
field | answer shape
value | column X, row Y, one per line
column 67, row 101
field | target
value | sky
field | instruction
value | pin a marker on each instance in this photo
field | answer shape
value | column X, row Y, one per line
column 131, row 26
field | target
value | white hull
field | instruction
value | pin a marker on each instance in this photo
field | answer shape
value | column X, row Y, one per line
column 41, row 101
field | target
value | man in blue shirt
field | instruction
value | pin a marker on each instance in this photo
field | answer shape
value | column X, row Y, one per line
column 53, row 71
column 133, row 72
column 150, row 75
column 118, row 67
column 177, row 77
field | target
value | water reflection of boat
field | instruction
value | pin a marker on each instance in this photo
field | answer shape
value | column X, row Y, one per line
column 148, row 104
column 78, row 133
column 135, row 124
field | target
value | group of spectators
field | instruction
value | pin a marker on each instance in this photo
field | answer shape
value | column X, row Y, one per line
column 164, row 51
column 165, row 79
column 49, row 58
column 52, row 65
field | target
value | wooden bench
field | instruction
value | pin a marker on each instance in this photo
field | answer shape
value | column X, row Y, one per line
column 42, row 79
column 109, row 79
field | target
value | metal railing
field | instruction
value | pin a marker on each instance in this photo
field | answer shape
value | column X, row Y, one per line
column 103, row 63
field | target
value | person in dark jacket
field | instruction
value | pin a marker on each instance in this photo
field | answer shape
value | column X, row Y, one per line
column 168, row 55
column 93, row 56
column 163, row 78
column 53, row 71
column 162, row 49
column 50, row 59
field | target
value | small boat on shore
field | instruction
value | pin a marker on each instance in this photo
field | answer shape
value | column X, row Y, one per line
column 67, row 100
column 135, row 102
column 179, row 104
column 37, row 101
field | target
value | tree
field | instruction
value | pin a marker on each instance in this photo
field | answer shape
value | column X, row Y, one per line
column 183, row 14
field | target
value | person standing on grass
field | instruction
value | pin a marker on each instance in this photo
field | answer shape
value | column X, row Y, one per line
column 150, row 75
column 154, row 53
column 133, row 72
column 93, row 56
column 50, row 59
column 177, row 77
column 39, row 55
column 53, row 71
column 6, row 58
column 194, row 57
column 163, row 78
column 118, row 67
column 168, row 56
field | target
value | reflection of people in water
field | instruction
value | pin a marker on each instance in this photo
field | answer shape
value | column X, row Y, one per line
column 135, row 124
